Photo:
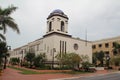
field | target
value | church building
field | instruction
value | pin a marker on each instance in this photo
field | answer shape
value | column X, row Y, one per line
column 56, row 40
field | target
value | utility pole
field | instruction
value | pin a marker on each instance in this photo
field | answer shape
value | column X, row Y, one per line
column 86, row 36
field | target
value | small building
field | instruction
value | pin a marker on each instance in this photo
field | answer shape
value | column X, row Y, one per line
column 105, row 45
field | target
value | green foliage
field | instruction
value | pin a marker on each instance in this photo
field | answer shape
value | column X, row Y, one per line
column 86, row 64
column 3, row 47
column 24, row 71
column 115, row 60
column 3, row 53
column 14, row 61
column 39, row 60
column 36, row 61
column 85, row 61
column 68, row 59
column 2, row 37
column 30, row 58
column 116, row 49
column 6, row 20
column 84, row 58
column 98, row 56
column 26, row 64
column 94, row 58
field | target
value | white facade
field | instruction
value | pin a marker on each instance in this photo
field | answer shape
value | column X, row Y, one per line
column 56, row 40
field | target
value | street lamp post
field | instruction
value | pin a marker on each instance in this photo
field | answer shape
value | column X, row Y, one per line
column 107, row 60
column 21, row 58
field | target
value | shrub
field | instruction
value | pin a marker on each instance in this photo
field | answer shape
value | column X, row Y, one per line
column 39, row 60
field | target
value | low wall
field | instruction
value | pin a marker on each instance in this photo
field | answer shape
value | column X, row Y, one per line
column 98, row 68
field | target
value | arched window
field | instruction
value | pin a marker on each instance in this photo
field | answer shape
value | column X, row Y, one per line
column 62, row 26
column 50, row 26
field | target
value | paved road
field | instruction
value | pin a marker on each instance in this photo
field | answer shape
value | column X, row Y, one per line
column 113, row 76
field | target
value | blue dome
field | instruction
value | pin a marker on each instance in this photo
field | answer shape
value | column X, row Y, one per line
column 58, row 11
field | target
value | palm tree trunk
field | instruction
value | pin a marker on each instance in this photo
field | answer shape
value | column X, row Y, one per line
column 5, row 62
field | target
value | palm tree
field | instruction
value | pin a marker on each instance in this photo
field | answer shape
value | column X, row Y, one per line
column 6, row 20
column 3, row 53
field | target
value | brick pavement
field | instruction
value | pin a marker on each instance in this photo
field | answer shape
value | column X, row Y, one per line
column 11, row 74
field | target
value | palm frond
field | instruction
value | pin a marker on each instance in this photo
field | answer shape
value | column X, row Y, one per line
column 4, row 27
column 1, row 28
column 12, row 24
column 3, row 37
column 6, row 20
column 9, row 10
column 0, row 10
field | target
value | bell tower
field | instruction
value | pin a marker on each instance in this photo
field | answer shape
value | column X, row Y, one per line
column 57, row 22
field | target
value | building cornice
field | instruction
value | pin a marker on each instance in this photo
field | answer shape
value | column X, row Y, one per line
column 56, row 33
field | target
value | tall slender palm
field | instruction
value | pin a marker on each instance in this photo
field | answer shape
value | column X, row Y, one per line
column 3, row 52
column 6, row 20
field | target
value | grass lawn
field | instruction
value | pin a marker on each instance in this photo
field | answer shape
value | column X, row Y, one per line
column 25, row 71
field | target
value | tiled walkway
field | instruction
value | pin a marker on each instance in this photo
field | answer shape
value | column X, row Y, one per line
column 11, row 74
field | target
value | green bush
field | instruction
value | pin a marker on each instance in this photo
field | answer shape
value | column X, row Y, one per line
column 39, row 60
column 26, row 64
column 14, row 61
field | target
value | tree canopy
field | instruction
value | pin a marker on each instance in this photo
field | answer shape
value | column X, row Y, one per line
column 69, row 59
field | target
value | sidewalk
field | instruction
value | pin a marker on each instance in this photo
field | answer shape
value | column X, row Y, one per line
column 11, row 74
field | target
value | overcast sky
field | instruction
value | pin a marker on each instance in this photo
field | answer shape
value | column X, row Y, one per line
column 101, row 18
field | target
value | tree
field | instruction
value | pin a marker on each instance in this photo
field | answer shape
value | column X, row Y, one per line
column 30, row 58
column 70, row 59
column 115, row 60
column 94, row 58
column 6, row 20
column 14, row 61
column 85, row 62
column 99, row 56
column 84, row 58
column 39, row 60
column 75, row 59
column 3, row 53
column 116, row 48
column 61, row 57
